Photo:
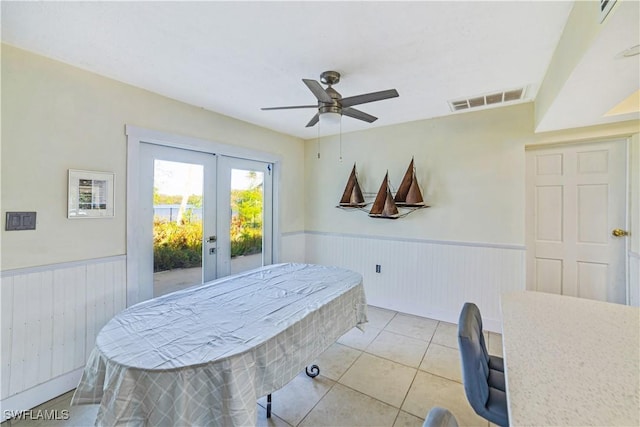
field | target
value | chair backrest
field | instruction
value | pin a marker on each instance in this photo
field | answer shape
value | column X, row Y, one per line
column 440, row 417
column 474, row 356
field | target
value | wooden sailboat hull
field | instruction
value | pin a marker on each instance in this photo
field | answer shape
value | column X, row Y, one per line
column 409, row 194
column 384, row 206
column 352, row 196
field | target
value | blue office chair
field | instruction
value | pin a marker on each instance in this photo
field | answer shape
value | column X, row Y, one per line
column 482, row 373
column 440, row 417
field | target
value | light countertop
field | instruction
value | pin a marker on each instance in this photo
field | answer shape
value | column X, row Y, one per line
column 570, row 361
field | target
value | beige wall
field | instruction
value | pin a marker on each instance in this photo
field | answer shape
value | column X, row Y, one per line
column 470, row 167
column 56, row 117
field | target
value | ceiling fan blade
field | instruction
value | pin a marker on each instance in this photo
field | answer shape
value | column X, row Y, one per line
column 318, row 90
column 290, row 107
column 357, row 114
column 368, row 97
column 313, row 120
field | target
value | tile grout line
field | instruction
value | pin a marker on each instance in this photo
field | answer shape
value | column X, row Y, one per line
column 332, row 385
column 418, row 370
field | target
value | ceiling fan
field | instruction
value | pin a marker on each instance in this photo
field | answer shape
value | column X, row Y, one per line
column 330, row 101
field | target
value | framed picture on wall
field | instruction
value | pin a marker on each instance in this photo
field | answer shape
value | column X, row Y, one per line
column 91, row 194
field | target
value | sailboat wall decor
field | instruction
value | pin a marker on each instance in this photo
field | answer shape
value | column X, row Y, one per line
column 352, row 196
column 409, row 194
column 384, row 206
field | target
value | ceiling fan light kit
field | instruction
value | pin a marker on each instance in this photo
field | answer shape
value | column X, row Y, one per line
column 331, row 103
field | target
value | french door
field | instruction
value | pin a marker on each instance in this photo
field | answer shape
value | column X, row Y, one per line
column 202, row 216
column 178, row 219
column 245, row 194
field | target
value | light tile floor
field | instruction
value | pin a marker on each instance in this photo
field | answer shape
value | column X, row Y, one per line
column 390, row 375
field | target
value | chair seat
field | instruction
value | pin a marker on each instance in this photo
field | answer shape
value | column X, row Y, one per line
column 440, row 417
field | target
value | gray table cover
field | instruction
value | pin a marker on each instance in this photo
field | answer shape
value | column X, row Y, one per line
column 204, row 355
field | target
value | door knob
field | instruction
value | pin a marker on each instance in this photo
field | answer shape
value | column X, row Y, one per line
column 619, row 232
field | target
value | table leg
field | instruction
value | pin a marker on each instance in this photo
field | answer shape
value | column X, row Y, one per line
column 313, row 372
column 269, row 405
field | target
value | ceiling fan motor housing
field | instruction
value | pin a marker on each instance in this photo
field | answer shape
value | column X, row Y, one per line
column 330, row 77
column 333, row 107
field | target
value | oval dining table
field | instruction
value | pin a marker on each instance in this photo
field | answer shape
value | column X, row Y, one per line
column 204, row 355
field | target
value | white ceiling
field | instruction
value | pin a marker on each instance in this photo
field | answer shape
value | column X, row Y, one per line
column 236, row 57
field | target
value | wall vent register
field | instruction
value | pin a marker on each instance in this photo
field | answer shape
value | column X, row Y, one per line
column 490, row 99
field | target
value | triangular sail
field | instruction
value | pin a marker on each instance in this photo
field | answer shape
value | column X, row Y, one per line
column 384, row 206
column 409, row 193
column 352, row 196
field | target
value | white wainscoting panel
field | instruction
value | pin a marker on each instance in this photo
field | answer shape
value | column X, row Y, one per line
column 426, row 278
column 293, row 247
column 634, row 279
column 50, row 318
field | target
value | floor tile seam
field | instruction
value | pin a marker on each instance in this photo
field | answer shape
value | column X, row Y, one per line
column 424, row 354
column 385, row 323
column 371, row 397
column 408, row 390
column 395, row 314
column 444, row 345
column 413, row 415
column 439, row 376
column 333, row 383
column 274, row 414
column 352, row 389
column 318, row 402
column 396, row 418
column 405, row 335
column 381, row 327
column 394, row 361
column 349, row 367
column 386, row 359
column 362, row 349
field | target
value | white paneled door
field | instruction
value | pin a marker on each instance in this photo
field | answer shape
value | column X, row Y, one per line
column 576, row 219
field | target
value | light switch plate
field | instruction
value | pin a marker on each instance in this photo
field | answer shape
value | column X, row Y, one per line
column 20, row 221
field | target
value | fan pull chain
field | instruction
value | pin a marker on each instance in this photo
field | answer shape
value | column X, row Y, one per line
column 318, row 140
column 340, row 137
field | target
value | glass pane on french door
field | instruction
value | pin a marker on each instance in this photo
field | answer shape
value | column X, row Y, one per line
column 247, row 219
column 177, row 225
column 177, row 228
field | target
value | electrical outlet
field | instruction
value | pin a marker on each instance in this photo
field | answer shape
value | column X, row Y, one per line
column 378, row 268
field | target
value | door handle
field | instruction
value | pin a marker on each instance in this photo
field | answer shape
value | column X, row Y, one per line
column 212, row 239
column 617, row 232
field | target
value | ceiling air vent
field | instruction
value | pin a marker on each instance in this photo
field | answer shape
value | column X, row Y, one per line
column 488, row 100
column 605, row 8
